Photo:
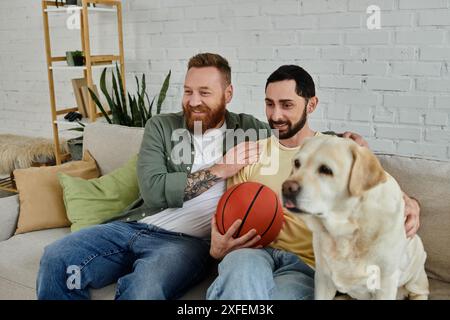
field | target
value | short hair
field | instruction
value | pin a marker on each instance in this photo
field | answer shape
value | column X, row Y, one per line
column 207, row 59
column 304, row 82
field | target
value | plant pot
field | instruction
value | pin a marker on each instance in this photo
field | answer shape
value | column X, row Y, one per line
column 72, row 2
column 75, row 146
column 74, row 58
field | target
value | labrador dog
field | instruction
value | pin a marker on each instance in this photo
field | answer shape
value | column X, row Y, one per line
column 356, row 213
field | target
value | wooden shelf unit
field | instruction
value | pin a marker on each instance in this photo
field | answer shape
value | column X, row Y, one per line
column 92, row 61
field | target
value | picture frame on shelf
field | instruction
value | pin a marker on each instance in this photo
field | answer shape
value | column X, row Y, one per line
column 77, row 84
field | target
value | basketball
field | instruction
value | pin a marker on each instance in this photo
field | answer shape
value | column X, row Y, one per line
column 256, row 205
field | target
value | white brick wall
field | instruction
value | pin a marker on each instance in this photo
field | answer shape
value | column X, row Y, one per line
column 391, row 85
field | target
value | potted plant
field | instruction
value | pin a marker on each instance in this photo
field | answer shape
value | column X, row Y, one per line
column 135, row 113
column 75, row 145
column 68, row 3
column 72, row 2
column 75, row 58
column 129, row 110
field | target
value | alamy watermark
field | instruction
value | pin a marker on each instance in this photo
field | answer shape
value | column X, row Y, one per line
column 73, row 22
column 373, row 278
column 74, row 279
column 374, row 20
column 183, row 149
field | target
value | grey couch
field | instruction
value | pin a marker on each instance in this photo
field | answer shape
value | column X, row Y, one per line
column 111, row 146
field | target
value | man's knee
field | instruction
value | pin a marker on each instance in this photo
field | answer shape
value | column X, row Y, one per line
column 52, row 271
column 243, row 274
column 52, row 260
column 243, row 259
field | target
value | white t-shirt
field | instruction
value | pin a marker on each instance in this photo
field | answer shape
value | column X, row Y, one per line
column 194, row 218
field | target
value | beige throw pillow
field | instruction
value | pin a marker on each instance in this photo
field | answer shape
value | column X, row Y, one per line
column 41, row 195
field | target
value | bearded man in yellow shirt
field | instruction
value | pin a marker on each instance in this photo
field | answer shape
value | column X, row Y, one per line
column 284, row 269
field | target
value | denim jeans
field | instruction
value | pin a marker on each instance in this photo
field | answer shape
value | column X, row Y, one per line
column 146, row 261
column 262, row 274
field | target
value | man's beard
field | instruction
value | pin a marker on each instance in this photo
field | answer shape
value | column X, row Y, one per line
column 208, row 121
column 292, row 129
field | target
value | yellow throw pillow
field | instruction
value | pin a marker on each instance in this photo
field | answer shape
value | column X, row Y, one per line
column 41, row 195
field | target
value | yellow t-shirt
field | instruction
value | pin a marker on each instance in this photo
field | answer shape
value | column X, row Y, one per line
column 272, row 169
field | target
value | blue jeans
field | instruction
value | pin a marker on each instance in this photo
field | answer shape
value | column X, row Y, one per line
column 146, row 261
column 262, row 274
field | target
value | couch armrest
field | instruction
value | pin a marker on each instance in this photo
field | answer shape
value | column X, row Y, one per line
column 9, row 213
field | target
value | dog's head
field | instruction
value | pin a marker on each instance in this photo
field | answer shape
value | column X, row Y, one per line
column 327, row 174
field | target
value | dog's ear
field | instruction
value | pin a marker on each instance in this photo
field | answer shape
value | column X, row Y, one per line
column 366, row 171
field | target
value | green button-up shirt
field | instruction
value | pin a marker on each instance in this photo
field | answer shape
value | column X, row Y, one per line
column 166, row 157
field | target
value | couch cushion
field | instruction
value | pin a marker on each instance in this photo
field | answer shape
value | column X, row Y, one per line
column 429, row 182
column 111, row 145
column 41, row 195
column 439, row 290
column 10, row 290
column 19, row 265
column 20, row 256
column 8, row 216
column 94, row 201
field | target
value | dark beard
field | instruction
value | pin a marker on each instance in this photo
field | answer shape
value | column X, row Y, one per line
column 292, row 129
column 212, row 119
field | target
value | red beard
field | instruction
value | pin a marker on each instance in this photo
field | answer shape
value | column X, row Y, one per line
column 209, row 119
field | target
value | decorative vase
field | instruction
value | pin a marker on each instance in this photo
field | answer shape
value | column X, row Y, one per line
column 75, row 146
column 72, row 2
column 74, row 58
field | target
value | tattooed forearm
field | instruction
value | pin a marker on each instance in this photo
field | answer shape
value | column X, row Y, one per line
column 198, row 182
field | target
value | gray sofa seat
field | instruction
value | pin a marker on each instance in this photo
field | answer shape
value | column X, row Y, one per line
column 112, row 146
column 19, row 262
column 19, row 265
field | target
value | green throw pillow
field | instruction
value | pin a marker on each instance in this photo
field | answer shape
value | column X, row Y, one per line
column 94, row 201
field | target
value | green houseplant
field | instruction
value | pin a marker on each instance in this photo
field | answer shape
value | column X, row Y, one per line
column 129, row 110
column 73, row 2
column 75, row 145
column 133, row 112
column 75, row 58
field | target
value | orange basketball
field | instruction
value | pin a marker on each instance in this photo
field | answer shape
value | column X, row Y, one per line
column 256, row 205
